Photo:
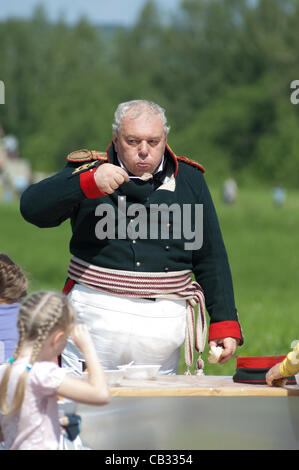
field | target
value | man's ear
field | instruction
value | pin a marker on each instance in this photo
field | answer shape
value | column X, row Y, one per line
column 115, row 140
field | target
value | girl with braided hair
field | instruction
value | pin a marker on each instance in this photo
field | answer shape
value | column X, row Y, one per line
column 13, row 287
column 32, row 379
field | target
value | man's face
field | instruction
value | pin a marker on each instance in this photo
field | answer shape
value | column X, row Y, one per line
column 140, row 142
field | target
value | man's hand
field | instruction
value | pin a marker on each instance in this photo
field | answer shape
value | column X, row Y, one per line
column 229, row 346
column 274, row 377
column 109, row 177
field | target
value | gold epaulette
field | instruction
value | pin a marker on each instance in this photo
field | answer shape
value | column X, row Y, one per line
column 86, row 156
column 190, row 162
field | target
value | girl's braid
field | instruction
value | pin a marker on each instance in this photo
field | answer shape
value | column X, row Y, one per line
column 47, row 314
column 46, row 328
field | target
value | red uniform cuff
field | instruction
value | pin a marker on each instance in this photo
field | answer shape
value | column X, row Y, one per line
column 225, row 329
column 89, row 186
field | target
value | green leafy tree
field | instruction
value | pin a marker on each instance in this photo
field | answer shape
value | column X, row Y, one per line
column 221, row 68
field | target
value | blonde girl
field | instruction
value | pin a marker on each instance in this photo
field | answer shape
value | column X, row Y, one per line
column 32, row 379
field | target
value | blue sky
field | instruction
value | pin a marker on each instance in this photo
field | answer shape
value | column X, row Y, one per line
column 98, row 11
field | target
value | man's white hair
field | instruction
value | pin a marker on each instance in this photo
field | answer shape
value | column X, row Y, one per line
column 140, row 107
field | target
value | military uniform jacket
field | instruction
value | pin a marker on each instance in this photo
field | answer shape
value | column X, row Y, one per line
column 72, row 193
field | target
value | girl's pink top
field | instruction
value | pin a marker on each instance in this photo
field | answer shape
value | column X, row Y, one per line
column 36, row 425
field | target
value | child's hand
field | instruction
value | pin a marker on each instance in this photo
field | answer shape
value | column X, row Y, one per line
column 82, row 338
column 274, row 377
column 94, row 390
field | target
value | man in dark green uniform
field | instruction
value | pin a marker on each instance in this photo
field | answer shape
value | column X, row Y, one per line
column 133, row 213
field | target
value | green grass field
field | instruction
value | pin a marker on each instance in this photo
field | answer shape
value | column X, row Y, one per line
column 262, row 245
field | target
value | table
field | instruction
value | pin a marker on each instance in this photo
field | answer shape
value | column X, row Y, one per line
column 192, row 385
column 189, row 412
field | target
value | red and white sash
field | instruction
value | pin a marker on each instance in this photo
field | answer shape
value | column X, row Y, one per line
column 176, row 285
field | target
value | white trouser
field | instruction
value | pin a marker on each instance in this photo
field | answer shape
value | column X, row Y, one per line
column 126, row 329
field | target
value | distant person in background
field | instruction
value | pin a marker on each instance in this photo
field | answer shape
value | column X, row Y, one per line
column 279, row 196
column 13, row 287
column 288, row 367
column 11, row 145
column 229, row 191
column 15, row 172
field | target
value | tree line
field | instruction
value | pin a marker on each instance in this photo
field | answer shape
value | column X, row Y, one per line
column 222, row 69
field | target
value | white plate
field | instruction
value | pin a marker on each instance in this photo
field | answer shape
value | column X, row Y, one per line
column 140, row 371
